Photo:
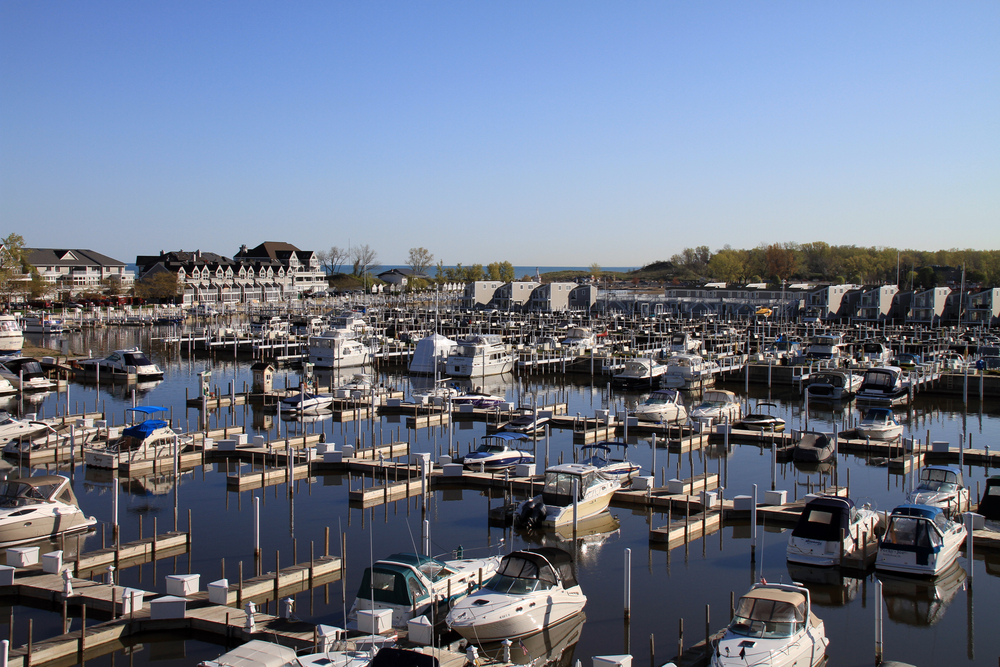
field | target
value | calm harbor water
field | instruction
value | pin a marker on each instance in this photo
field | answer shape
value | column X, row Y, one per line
column 927, row 624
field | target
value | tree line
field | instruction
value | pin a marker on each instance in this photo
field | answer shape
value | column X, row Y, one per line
column 822, row 262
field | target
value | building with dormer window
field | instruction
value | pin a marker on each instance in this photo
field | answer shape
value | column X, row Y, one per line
column 77, row 270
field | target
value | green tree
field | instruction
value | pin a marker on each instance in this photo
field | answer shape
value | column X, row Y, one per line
column 473, row 272
column 493, row 270
column 440, row 277
column 159, row 285
column 727, row 265
column 595, row 270
column 506, row 271
column 13, row 266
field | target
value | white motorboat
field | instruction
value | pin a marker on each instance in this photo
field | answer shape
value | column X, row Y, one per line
column 833, row 385
column 830, row 526
column 305, row 402
column 479, row 399
column 374, row 650
column 532, row 590
column 689, row 371
column 813, row 447
column 338, row 348
column 599, row 456
column 13, row 429
column 42, row 323
column 639, row 373
column 875, row 353
column 919, row 540
column 762, row 420
column 943, row 487
column 25, row 374
column 662, row 406
column 431, row 355
column 884, row 385
column 719, row 406
column 555, row 505
column 413, row 585
column 479, row 356
column 11, row 335
column 498, row 452
column 528, row 420
column 150, row 438
column 879, row 424
column 579, row 338
column 122, row 363
column 773, row 625
column 37, row 507
column 826, row 347
column 682, row 342
column 440, row 393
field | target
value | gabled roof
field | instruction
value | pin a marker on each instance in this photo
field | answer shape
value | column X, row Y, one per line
column 268, row 250
column 69, row 257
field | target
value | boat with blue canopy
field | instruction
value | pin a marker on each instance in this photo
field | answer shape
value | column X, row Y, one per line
column 497, row 452
column 148, row 437
column 919, row 539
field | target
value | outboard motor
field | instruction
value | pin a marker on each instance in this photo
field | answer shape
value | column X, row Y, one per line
column 532, row 513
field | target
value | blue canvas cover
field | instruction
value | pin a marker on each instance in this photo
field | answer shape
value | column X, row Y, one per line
column 145, row 429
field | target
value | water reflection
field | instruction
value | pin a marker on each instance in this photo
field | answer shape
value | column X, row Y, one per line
column 828, row 586
column 591, row 534
column 921, row 602
column 553, row 646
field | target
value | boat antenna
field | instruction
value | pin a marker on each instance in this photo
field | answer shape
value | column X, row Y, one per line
column 343, row 559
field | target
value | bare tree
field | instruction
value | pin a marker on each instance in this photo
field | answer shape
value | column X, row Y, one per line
column 420, row 260
column 332, row 259
column 13, row 265
column 365, row 259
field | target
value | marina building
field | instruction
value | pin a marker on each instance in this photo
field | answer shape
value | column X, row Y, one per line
column 78, row 270
column 550, row 297
column 983, row 308
column 876, row 304
column 930, row 306
column 513, row 295
column 479, row 293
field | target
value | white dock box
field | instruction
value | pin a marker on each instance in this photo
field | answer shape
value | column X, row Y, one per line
column 348, row 451
column 183, row 584
column 218, row 592
column 52, row 562
column 779, row 497
column 743, row 503
column 328, row 636
column 524, row 469
column 258, row 441
column 709, row 499
column 227, row 445
column 374, row 621
column 241, row 438
column 7, row 575
column 22, row 556
column 940, row 446
column 675, row 486
column 613, row 660
column 166, row 607
column 132, row 600
column 420, row 631
column 444, row 460
column 643, row 483
column 453, row 469
column 331, row 456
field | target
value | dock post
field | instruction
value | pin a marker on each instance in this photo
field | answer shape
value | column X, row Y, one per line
column 708, row 631
column 31, row 643
column 628, row 584
column 878, row 621
column 680, row 637
column 753, row 526
column 83, row 629
column 256, row 534
column 239, row 591
column 969, row 544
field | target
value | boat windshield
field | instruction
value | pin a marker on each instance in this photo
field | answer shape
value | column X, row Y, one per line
column 137, row 359
column 932, row 479
column 908, row 531
column 16, row 494
column 559, row 485
column 520, row 576
column 880, row 379
column 766, row 618
column 660, row 398
column 491, row 448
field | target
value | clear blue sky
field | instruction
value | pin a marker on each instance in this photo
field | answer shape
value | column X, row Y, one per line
column 543, row 133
